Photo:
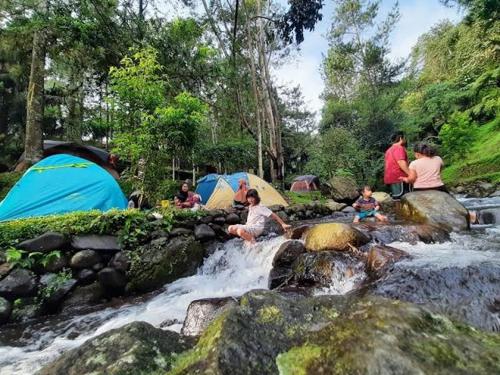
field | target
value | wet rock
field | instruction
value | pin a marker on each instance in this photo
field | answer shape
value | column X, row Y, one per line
column 381, row 257
column 156, row 266
column 221, row 220
column 56, row 264
column 343, row 189
column 281, row 272
column 435, row 207
column 51, row 303
column 180, row 232
column 470, row 294
column 95, row 242
column 85, row 259
column 82, row 296
column 297, row 233
column 203, row 232
column 334, row 236
column 232, row 219
column 5, row 310
column 112, row 281
column 270, row 334
column 18, row 283
column 135, row 348
column 201, row 313
column 412, row 233
column 45, row 243
column 120, row 261
column 319, row 269
column 86, row 276
column 334, row 206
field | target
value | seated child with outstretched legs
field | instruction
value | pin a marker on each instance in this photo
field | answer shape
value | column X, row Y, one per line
column 256, row 220
column 367, row 206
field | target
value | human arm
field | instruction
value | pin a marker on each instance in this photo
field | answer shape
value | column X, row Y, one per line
column 280, row 221
column 412, row 176
column 403, row 165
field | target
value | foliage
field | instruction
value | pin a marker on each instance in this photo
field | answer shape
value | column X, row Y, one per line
column 27, row 260
column 457, row 136
column 304, row 198
column 7, row 181
column 53, row 285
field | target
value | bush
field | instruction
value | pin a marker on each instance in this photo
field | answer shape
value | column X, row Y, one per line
column 7, row 181
column 457, row 136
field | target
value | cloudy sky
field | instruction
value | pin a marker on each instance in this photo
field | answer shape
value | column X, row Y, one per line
column 417, row 17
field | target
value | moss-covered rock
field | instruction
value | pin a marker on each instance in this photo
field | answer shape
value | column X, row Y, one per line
column 161, row 262
column 269, row 334
column 137, row 348
column 435, row 207
column 343, row 189
column 334, row 236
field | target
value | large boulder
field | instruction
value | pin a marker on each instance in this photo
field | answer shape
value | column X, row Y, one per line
column 46, row 242
column 112, row 281
column 95, row 242
column 5, row 310
column 470, row 294
column 412, row 233
column 83, row 296
column 435, row 207
column 296, row 233
column 334, row 236
column 282, row 262
column 343, row 189
column 85, row 259
column 18, row 283
column 156, row 265
column 202, row 312
column 137, row 348
column 384, row 199
column 58, row 292
column 270, row 334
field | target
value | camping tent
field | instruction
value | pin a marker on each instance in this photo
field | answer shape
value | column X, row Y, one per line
column 217, row 191
column 302, row 184
column 59, row 184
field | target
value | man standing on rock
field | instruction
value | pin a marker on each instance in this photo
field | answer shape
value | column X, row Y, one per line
column 396, row 166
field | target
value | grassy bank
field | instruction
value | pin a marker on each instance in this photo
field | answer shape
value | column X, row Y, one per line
column 482, row 162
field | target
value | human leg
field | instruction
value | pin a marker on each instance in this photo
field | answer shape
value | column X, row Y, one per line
column 381, row 217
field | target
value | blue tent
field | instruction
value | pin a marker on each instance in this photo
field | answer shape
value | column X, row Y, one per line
column 60, row 184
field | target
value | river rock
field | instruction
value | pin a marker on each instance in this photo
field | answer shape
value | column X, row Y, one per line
column 470, row 294
column 334, row 236
column 86, row 276
column 349, row 210
column 201, row 313
column 343, row 189
column 18, row 283
column 45, row 243
column 180, row 232
column 83, row 296
column 381, row 257
column 112, row 281
column 158, row 265
column 203, row 232
column 220, row 220
column 95, row 242
column 334, row 206
column 281, row 272
column 120, row 261
column 412, row 233
column 435, row 207
column 52, row 302
column 384, row 199
column 232, row 219
column 5, row 310
column 5, row 268
column 296, row 233
column 85, row 259
column 136, row 348
column 270, row 334
column 56, row 264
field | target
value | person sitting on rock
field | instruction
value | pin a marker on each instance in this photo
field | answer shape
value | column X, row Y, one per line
column 186, row 198
column 367, row 206
column 256, row 220
column 425, row 171
column 240, row 197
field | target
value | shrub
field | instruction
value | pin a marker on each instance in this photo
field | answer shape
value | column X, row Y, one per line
column 457, row 136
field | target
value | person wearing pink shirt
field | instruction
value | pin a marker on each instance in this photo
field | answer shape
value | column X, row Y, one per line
column 425, row 171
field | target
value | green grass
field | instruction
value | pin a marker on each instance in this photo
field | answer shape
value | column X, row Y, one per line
column 483, row 160
column 304, row 198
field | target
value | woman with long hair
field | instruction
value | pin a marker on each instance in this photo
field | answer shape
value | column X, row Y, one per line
column 425, row 171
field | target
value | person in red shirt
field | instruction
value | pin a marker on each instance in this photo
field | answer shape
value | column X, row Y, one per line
column 396, row 166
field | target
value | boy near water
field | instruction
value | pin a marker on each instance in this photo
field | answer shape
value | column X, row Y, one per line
column 256, row 220
column 367, row 206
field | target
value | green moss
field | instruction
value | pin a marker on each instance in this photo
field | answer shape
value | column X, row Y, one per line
column 296, row 360
column 482, row 160
column 203, row 348
column 269, row 314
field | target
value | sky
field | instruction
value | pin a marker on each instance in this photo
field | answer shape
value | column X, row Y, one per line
column 417, row 17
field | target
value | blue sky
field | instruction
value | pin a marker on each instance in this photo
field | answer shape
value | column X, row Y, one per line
column 417, row 17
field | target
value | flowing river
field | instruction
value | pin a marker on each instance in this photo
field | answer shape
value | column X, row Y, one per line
column 231, row 270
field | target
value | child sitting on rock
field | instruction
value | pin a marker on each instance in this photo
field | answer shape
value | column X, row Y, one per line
column 256, row 220
column 367, row 206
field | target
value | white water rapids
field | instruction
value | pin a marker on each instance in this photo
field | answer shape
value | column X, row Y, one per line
column 231, row 270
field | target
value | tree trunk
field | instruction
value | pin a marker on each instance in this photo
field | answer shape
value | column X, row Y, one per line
column 33, row 146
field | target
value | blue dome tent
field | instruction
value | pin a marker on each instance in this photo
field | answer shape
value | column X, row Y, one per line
column 59, row 184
